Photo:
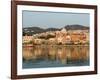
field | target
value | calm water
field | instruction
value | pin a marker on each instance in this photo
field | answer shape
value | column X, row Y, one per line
column 55, row 56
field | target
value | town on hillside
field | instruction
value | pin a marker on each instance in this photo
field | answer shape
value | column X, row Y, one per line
column 57, row 37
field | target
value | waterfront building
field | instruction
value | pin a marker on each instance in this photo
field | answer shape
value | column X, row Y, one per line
column 59, row 37
column 27, row 39
column 52, row 41
column 37, row 41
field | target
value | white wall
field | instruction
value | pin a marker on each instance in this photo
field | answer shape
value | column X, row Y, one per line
column 5, row 50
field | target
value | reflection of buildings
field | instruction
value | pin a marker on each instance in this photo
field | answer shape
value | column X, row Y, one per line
column 79, row 53
column 27, row 53
column 62, row 55
column 56, row 53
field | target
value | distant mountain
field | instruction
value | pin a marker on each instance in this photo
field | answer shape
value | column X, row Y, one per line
column 34, row 30
column 76, row 27
column 52, row 29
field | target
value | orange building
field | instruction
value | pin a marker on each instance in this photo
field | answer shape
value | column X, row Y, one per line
column 78, row 38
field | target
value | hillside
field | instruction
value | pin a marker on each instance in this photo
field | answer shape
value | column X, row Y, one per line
column 35, row 30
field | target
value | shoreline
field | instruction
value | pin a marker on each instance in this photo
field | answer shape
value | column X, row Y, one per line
column 56, row 45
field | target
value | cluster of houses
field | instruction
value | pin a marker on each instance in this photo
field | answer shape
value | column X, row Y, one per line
column 59, row 37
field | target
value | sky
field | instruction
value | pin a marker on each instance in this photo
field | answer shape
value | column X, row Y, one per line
column 53, row 19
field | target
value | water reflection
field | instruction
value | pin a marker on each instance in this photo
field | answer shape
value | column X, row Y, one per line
column 55, row 56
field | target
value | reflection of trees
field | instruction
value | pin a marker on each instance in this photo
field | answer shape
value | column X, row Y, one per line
column 54, row 53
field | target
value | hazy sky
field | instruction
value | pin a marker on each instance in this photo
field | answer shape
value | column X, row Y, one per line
column 54, row 19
